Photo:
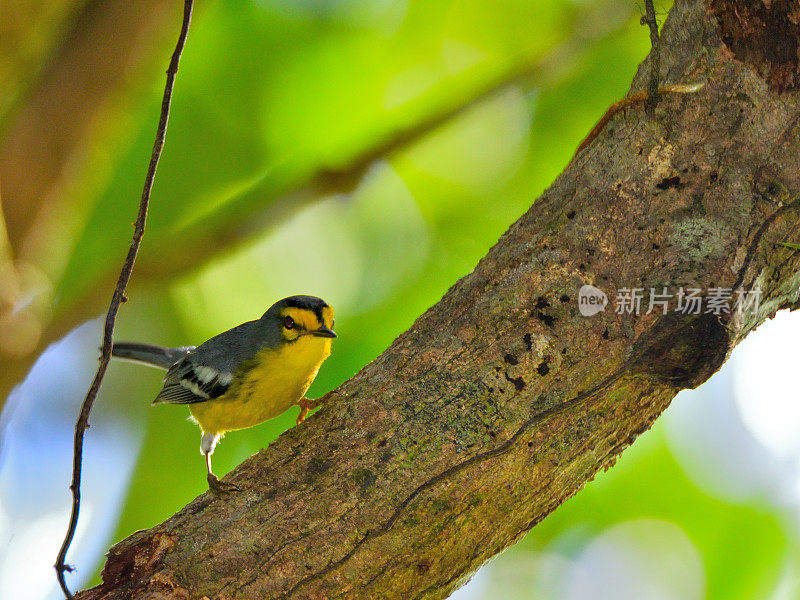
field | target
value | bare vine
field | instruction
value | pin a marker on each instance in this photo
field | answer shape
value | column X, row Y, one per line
column 116, row 300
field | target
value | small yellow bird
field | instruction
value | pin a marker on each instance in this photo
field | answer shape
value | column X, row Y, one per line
column 246, row 375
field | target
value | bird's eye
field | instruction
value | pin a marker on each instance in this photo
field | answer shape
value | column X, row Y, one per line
column 288, row 322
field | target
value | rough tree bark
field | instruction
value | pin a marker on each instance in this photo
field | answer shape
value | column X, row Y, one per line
column 502, row 401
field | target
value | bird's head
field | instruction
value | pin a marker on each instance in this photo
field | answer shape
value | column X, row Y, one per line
column 299, row 316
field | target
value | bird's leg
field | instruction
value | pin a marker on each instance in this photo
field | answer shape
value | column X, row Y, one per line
column 305, row 405
column 217, row 486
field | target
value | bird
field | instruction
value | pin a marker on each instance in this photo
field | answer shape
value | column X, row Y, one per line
column 246, row 375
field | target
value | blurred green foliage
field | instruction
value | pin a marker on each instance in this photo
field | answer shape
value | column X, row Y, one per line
column 742, row 547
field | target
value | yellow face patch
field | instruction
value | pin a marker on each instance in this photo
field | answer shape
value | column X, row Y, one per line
column 327, row 317
column 299, row 321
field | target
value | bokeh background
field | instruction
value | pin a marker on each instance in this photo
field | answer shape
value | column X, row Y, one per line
column 369, row 152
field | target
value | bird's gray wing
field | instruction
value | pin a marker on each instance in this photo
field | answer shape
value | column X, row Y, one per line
column 188, row 382
column 207, row 372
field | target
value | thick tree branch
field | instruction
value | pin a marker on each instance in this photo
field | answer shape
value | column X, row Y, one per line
column 502, row 400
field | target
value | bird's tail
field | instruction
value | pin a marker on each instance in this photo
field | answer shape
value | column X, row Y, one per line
column 148, row 354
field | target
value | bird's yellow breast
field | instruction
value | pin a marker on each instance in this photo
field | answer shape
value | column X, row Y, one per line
column 265, row 387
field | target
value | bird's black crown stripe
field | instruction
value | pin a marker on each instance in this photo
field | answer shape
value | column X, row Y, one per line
column 307, row 303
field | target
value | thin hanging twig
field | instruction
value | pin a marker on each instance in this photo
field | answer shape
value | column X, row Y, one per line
column 118, row 298
column 650, row 20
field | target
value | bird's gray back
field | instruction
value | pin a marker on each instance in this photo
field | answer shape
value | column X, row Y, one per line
column 226, row 351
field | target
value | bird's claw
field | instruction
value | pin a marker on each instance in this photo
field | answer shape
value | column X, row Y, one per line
column 302, row 414
column 219, row 487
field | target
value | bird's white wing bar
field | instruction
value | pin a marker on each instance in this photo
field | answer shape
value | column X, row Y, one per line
column 193, row 387
column 188, row 383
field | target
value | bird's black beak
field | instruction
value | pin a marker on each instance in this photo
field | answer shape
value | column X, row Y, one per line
column 324, row 332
